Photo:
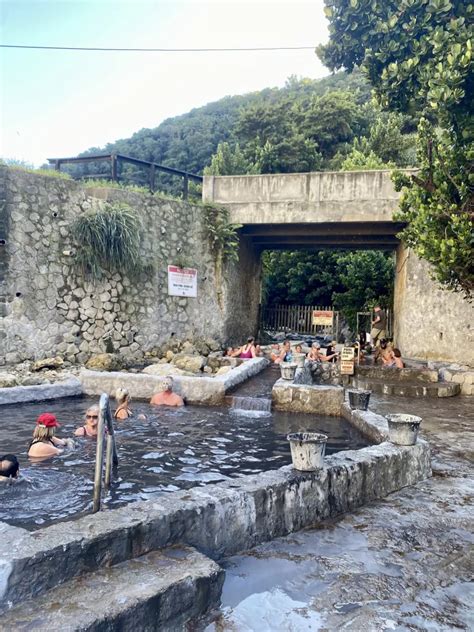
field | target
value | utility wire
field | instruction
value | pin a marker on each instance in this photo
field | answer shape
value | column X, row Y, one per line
column 159, row 50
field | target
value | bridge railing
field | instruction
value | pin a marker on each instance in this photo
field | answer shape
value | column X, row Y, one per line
column 116, row 159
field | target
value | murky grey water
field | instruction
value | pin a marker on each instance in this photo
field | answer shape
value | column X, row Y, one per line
column 173, row 449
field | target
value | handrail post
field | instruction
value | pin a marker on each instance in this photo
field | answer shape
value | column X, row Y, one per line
column 99, row 458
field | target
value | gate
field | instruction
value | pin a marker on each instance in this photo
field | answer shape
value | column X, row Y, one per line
column 300, row 319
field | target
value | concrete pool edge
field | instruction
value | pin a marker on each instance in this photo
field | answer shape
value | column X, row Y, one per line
column 195, row 389
column 218, row 519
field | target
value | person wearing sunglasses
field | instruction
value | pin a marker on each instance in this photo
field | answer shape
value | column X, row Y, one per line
column 91, row 420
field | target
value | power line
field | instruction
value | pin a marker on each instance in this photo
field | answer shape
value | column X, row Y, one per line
column 159, row 50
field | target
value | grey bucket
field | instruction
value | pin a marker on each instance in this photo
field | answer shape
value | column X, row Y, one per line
column 359, row 399
column 288, row 370
column 307, row 450
column 403, row 429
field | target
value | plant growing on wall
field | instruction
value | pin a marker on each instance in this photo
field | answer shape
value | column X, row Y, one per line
column 222, row 236
column 223, row 240
column 108, row 240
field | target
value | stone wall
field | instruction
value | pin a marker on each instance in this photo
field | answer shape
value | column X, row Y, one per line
column 47, row 308
column 430, row 323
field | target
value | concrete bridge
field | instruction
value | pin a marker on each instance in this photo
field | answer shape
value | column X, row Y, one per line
column 310, row 210
column 351, row 210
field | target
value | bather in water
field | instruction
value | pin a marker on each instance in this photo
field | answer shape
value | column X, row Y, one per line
column 44, row 443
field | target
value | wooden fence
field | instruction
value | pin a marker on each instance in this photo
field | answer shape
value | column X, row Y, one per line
column 297, row 319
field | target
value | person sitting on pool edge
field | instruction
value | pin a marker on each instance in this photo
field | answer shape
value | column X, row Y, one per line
column 89, row 429
column 166, row 397
column 9, row 468
column 315, row 354
column 44, row 443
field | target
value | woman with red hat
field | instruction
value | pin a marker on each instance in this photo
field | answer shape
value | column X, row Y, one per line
column 44, row 442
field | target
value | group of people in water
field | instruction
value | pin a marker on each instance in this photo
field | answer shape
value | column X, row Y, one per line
column 46, row 444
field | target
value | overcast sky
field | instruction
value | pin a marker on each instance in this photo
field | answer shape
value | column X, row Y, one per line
column 58, row 103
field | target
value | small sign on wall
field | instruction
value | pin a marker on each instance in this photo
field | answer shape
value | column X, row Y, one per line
column 322, row 317
column 347, row 361
column 182, row 281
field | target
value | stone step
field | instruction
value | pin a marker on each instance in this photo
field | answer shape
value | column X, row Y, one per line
column 408, row 389
column 393, row 374
column 161, row 590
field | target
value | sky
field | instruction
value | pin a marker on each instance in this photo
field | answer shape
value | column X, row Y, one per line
column 59, row 103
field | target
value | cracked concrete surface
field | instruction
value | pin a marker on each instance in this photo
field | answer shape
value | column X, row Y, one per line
column 402, row 563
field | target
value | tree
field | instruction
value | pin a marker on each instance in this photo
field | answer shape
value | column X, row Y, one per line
column 418, row 56
column 228, row 162
column 350, row 281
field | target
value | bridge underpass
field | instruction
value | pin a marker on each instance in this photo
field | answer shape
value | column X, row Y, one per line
column 318, row 236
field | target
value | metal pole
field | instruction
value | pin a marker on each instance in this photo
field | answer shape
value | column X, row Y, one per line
column 108, row 462
column 99, row 458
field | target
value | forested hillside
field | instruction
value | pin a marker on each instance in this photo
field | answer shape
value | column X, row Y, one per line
column 306, row 125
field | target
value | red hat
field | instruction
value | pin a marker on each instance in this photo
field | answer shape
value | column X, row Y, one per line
column 48, row 420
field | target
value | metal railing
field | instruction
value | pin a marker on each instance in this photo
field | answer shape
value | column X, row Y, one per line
column 116, row 159
column 111, row 457
column 299, row 319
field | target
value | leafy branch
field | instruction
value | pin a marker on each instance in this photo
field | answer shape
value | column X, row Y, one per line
column 222, row 236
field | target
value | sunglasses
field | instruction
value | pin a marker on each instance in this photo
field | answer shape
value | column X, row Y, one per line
column 92, row 416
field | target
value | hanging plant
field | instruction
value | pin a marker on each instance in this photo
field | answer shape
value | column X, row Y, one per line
column 222, row 236
column 108, row 240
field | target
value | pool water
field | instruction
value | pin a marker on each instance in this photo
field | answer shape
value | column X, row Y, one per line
column 173, row 449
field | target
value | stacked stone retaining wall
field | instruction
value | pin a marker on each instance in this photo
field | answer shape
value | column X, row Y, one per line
column 48, row 308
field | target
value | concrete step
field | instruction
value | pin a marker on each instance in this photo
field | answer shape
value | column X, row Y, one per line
column 393, row 374
column 408, row 389
column 162, row 590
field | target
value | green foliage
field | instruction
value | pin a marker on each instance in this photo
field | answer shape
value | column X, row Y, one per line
column 228, row 162
column 100, row 183
column 307, row 125
column 107, row 241
column 418, row 56
column 358, row 160
column 222, row 236
column 21, row 165
column 438, row 205
column 351, row 281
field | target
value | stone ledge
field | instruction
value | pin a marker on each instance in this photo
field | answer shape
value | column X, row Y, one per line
column 22, row 394
column 219, row 520
column 302, row 398
column 195, row 390
column 161, row 590
column 371, row 425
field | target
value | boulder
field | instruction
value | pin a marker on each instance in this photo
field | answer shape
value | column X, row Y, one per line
column 104, row 362
column 188, row 348
column 191, row 363
column 33, row 380
column 213, row 344
column 162, row 369
column 48, row 363
column 223, row 370
column 7, row 380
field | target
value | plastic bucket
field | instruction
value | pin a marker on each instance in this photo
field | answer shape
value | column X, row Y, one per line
column 299, row 359
column 359, row 399
column 288, row 370
column 403, row 429
column 307, row 450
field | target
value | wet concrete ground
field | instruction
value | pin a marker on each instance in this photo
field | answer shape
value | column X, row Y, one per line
column 403, row 563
